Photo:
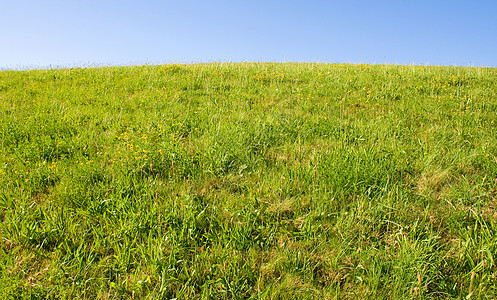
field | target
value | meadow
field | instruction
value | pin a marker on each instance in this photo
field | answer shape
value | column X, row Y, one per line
column 249, row 180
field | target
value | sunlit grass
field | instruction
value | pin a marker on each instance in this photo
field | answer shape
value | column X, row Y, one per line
column 249, row 180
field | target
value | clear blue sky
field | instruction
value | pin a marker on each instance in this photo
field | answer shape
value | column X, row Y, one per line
column 38, row 34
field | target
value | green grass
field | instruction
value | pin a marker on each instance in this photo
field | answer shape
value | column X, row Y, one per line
column 251, row 180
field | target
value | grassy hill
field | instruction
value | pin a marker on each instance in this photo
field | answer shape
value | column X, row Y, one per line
column 249, row 180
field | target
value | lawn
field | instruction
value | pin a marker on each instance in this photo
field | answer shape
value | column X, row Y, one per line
column 249, row 180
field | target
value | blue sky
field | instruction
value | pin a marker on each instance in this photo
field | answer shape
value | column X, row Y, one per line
column 40, row 34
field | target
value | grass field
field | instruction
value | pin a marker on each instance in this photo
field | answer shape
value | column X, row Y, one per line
column 252, row 180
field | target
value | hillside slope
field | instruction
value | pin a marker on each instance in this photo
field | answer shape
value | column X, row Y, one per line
column 249, row 180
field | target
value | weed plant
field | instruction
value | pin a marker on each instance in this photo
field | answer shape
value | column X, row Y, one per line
column 251, row 180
